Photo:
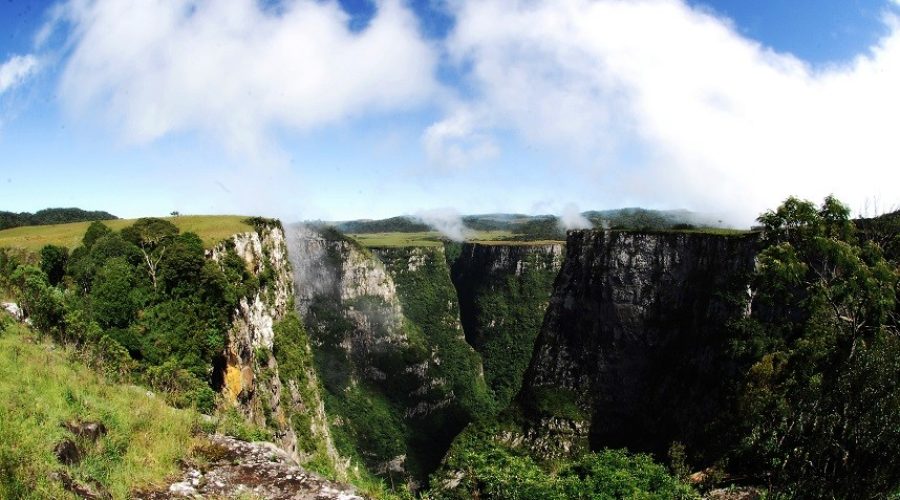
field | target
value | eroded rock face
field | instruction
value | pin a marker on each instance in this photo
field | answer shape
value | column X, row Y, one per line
column 634, row 338
column 384, row 325
column 503, row 294
column 251, row 377
column 238, row 469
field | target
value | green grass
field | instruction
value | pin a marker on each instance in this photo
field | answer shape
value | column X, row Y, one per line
column 211, row 229
column 41, row 385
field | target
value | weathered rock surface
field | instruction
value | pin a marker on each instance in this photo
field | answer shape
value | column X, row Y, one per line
column 238, row 469
column 250, row 376
column 633, row 340
column 384, row 325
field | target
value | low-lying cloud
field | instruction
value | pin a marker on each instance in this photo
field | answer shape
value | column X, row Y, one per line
column 571, row 218
column 447, row 221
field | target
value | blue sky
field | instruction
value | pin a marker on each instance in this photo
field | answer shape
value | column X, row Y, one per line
column 351, row 109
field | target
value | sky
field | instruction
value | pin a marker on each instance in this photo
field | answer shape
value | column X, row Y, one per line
column 325, row 109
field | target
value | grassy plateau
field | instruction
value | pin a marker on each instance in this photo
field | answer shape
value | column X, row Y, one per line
column 211, row 229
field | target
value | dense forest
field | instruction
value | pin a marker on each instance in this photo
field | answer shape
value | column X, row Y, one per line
column 51, row 216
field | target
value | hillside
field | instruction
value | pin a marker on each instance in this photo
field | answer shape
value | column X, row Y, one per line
column 210, row 228
column 51, row 216
column 42, row 386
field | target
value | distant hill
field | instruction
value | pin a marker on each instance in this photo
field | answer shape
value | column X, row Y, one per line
column 400, row 224
column 51, row 216
column 536, row 227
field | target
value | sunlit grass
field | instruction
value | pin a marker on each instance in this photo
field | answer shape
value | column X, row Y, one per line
column 211, row 229
column 41, row 386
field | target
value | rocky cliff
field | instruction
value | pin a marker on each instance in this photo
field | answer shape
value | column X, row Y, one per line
column 503, row 292
column 399, row 377
column 290, row 403
column 632, row 348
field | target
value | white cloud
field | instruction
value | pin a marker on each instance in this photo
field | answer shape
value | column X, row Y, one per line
column 236, row 71
column 571, row 218
column 445, row 220
column 455, row 141
column 721, row 122
column 16, row 70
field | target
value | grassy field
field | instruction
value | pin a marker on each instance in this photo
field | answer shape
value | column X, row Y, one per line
column 211, row 229
column 41, row 386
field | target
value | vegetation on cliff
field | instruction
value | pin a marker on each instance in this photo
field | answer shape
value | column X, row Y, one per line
column 503, row 294
column 820, row 403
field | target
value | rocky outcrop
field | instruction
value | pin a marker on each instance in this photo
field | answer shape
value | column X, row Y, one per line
column 238, row 469
column 503, row 292
column 251, row 380
column 632, row 348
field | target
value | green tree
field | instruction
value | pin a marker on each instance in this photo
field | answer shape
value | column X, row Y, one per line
column 94, row 232
column 111, row 294
column 821, row 401
column 149, row 234
column 53, row 262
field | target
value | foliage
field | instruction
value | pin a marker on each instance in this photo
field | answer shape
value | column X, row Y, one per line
column 483, row 468
column 502, row 312
column 295, row 366
column 820, row 399
column 41, row 386
column 50, row 216
column 53, row 262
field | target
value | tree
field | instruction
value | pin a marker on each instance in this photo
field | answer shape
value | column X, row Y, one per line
column 94, row 232
column 53, row 262
column 113, row 305
column 149, row 234
column 820, row 397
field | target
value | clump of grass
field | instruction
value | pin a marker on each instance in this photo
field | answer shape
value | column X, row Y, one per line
column 41, row 386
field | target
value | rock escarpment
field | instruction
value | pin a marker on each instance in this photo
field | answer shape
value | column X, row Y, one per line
column 633, row 348
column 290, row 406
column 503, row 292
column 400, row 379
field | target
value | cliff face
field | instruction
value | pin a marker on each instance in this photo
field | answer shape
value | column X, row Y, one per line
column 631, row 349
column 290, row 406
column 503, row 292
column 384, row 325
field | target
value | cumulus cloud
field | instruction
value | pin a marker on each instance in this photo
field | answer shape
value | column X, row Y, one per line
column 16, row 70
column 445, row 220
column 721, row 122
column 237, row 70
column 571, row 218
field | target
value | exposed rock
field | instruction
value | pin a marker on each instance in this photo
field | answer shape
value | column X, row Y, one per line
column 86, row 430
column 238, row 469
column 634, row 336
column 14, row 310
column 251, row 378
column 67, row 452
